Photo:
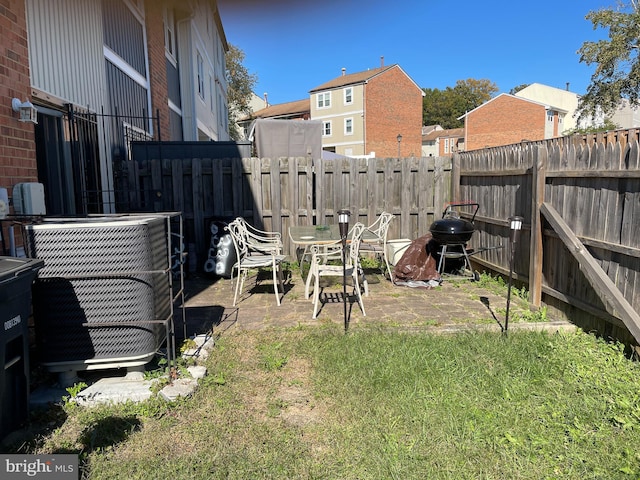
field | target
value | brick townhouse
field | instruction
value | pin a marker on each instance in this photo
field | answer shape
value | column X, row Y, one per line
column 507, row 119
column 101, row 74
column 17, row 143
column 376, row 112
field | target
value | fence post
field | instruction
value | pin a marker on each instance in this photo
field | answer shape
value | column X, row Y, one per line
column 455, row 179
column 535, row 242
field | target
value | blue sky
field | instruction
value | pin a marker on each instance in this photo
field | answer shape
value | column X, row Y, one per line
column 295, row 45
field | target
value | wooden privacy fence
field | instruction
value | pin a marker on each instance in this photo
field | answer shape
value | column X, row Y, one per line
column 580, row 249
column 579, row 253
column 276, row 194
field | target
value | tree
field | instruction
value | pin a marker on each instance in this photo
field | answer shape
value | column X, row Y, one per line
column 516, row 89
column 606, row 126
column 434, row 108
column 240, row 86
column 444, row 107
column 617, row 73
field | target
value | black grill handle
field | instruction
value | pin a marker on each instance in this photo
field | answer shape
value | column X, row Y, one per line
column 447, row 210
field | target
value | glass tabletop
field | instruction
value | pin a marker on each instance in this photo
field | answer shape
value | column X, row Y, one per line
column 314, row 234
column 319, row 234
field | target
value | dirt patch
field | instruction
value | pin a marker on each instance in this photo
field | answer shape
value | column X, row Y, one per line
column 299, row 406
column 285, row 393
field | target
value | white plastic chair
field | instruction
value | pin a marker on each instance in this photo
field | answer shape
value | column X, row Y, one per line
column 378, row 244
column 269, row 257
column 321, row 266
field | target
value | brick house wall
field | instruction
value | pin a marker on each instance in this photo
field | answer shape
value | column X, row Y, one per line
column 453, row 146
column 392, row 99
column 17, row 139
column 503, row 121
column 157, row 65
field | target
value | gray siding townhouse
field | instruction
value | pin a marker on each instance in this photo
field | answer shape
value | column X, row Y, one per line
column 103, row 73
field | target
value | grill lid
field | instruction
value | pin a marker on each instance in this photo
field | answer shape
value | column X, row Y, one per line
column 451, row 228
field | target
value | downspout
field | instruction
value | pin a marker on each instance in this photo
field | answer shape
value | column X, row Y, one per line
column 466, row 141
column 364, row 117
column 186, row 72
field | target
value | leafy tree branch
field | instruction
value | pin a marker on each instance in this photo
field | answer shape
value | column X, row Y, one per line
column 616, row 59
column 240, row 86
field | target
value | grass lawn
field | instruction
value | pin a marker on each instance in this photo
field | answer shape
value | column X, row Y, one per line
column 315, row 403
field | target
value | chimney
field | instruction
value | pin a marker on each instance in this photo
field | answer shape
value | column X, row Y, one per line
column 266, row 99
column 344, row 71
column 567, row 86
column 381, row 61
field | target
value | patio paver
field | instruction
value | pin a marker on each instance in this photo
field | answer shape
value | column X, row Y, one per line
column 452, row 306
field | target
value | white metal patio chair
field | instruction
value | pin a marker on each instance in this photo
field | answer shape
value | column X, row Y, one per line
column 260, row 241
column 270, row 257
column 322, row 266
column 378, row 244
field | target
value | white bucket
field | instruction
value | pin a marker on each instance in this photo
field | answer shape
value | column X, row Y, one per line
column 396, row 248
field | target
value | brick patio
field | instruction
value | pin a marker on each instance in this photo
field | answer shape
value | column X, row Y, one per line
column 453, row 306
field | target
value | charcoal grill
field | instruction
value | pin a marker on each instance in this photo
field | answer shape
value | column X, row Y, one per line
column 451, row 234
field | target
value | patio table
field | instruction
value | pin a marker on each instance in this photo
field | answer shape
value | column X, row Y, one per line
column 325, row 236
column 308, row 235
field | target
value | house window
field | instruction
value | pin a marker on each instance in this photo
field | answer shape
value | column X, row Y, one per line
column 169, row 34
column 348, row 95
column 446, row 145
column 324, row 100
column 200, row 64
column 326, row 129
column 549, row 115
column 348, row 126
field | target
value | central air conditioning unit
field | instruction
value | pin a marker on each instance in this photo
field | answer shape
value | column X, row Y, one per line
column 104, row 279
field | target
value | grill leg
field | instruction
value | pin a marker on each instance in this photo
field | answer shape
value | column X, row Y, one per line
column 443, row 252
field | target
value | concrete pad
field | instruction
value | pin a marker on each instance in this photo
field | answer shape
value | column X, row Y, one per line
column 116, row 390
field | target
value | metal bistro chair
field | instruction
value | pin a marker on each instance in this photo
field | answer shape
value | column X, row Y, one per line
column 260, row 241
column 270, row 255
column 320, row 266
column 378, row 244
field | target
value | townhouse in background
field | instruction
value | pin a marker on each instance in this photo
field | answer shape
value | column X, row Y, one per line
column 625, row 116
column 537, row 112
column 564, row 102
column 507, row 119
column 438, row 142
column 101, row 74
column 296, row 110
column 375, row 113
